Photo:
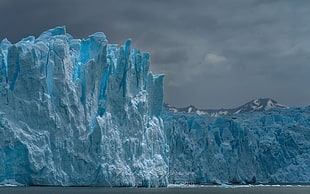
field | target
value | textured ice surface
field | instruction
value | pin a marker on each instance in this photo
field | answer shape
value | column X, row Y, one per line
column 85, row 112
column 261, row 147
column 80, row 112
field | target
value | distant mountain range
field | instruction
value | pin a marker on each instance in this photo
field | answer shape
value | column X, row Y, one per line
column 256, row 105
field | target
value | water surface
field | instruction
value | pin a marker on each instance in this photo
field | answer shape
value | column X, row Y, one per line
column 302, row 189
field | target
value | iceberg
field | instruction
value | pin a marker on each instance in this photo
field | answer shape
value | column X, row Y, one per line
column 80, row 112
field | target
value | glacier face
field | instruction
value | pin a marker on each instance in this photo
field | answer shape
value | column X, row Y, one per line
column 80, row 112
column 85, row 112
column 272, row 146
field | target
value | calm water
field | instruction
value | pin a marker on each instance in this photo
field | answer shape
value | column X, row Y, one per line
column 170, row 190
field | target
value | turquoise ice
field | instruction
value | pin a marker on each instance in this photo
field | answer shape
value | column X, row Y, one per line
column 271, row 146
column 87, row 113
column 80, row 112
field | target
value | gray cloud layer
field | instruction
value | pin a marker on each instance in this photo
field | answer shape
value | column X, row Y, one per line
column 214, row 53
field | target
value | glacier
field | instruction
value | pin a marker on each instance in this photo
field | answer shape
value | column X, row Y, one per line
column 271, row 146
column 88, row 113
column 80, row 112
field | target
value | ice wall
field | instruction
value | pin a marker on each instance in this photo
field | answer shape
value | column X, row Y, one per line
column 263, row 147
column 88, row 113
column 80, row 112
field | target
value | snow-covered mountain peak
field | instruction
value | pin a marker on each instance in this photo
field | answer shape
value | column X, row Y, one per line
column 256, row 105
column 260, row 104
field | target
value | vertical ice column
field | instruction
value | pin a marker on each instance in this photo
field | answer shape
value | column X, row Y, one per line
column 93, row 78
column 13, row 66
column 75, row 47
column 3, row 78
column 28, row 82
column 2, row 68
column 116, row 87
column 4, row 45
column 145, row 67
column 98, row 50
column 156, row 93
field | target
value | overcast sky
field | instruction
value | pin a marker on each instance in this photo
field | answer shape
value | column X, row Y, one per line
column 215, row 53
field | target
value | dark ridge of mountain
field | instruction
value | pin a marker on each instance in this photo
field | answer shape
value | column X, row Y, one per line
column 256, row 105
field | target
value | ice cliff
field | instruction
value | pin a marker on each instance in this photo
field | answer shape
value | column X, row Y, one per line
column 80, row 112
column 88, row 113
column 272, row 146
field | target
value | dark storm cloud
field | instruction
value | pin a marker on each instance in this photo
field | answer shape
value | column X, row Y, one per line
column 214, row 53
